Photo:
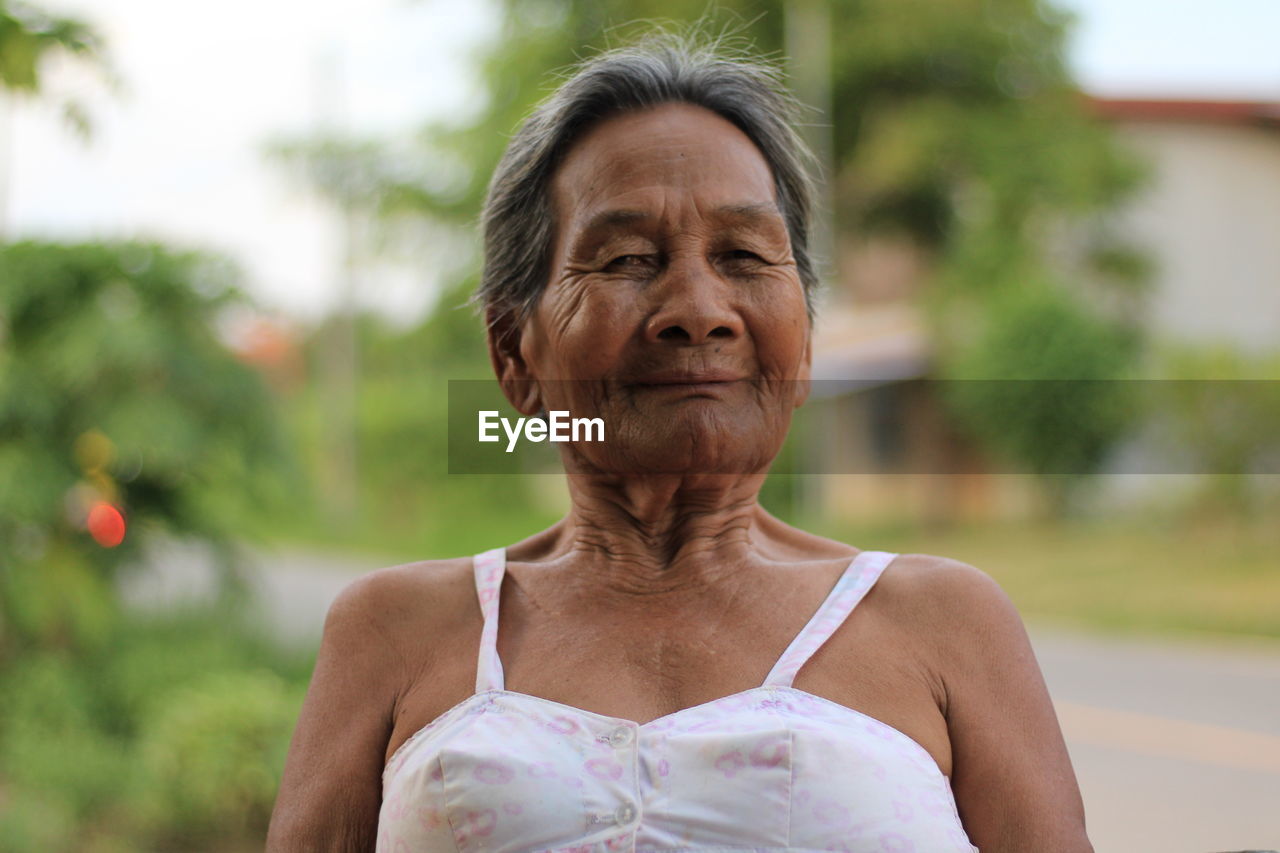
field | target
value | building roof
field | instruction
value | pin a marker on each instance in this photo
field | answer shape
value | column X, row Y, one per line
column 1183, row 110
column 861, row 347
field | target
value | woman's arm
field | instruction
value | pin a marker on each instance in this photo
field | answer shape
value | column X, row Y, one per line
column 332, row 787
column 1011, row 775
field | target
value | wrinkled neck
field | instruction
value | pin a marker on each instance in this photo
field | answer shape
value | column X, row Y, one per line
column 655, row 533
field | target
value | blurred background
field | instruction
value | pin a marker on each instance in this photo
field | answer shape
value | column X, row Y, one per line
column 235, row 246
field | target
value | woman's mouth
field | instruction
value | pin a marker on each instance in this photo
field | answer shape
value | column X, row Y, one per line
column 690, row 378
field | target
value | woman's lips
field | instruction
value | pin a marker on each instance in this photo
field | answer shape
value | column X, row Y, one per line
column 700, row 377
column 709, row 383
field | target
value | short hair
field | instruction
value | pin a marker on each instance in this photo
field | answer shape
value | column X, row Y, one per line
column 662, row 68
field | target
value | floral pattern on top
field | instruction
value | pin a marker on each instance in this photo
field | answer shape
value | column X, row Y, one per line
column 769, row 769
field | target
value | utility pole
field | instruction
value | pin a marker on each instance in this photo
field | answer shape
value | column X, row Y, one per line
column 808, row 47
column 339, row 368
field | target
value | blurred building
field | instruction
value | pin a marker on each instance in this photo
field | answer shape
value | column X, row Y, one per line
column 1210, row 216
column 1208, row 219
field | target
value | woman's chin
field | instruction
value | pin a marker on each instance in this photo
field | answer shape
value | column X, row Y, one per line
column 675, row 448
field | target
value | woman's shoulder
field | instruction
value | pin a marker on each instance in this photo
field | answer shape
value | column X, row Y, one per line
column 954, row 609
column 929, row 578
column 395, row 589
column 942, row 593
column 404, row 604
column 1010, row 767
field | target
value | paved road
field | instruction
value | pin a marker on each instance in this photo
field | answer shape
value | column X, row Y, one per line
column 1176, row 744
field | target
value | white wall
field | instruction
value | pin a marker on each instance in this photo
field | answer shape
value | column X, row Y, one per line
column 1211, row 220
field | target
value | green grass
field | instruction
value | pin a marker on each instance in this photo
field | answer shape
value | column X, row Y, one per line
column 1126, row 575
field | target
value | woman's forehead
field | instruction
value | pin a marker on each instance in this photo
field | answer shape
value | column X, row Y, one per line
column 633, row 165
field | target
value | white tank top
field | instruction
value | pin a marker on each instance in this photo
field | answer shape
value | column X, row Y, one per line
column 771, row 768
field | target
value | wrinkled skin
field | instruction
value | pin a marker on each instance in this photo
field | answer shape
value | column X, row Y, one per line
column 674, row 308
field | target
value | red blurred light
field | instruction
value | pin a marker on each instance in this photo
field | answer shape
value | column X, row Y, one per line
column 106, row 525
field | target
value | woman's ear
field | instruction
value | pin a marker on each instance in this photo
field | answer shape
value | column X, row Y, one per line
column 509, row 365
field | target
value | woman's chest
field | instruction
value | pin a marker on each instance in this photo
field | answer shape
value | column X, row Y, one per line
column 629, row 673
column 506, row 771
column 641, row 671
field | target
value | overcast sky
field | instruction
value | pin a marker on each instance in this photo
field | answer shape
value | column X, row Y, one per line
column 178, row 154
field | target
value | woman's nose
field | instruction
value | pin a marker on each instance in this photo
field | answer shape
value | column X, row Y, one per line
column 693, row 306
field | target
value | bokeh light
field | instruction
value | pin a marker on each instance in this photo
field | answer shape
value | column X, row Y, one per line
column 94, row 450
column 106, row 524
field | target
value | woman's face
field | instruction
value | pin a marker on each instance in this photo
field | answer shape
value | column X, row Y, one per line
column 674, row 310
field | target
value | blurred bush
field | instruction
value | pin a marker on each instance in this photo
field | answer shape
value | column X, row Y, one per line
column 211, row 754
column 1037, row 386
column 1220, row 405
column 54, row 753
column 171, row 736
column 116, row 393
column 409, row 506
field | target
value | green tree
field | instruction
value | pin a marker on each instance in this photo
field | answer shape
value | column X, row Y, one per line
column 1220, row 406
column 121, row 413
column 30, row 36
column 956, row 122
column 955, row 125
column 114, row 390
column 1039, row 385
column 116, row 396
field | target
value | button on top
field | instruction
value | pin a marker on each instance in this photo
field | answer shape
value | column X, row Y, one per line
column 625, row 813
column 621, row 736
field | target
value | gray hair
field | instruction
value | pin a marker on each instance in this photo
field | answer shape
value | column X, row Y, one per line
column 663, row 68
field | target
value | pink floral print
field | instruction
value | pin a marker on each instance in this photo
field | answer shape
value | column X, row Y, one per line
column 769, row 769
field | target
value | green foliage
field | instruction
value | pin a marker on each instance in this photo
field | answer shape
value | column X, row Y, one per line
column 410, row 507
column 50, row 741
column 59, row 600
column 29, row 36
column 962, row 114
column 951, row 118
column 114, row 388
column 172, row 736
column 142, row 657
column 212, row 752
column 1039, row 387
column 1221, row 406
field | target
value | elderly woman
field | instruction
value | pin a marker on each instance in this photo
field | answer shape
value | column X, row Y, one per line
column 670, row 667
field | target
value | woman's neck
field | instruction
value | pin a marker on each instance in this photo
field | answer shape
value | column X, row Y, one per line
column 656, row 533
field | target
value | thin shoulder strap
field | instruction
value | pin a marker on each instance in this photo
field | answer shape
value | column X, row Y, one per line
column 490, row 567
column 858, row 577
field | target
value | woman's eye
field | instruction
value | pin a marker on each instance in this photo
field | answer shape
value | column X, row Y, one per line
column 628, row 262
column 743, row 256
